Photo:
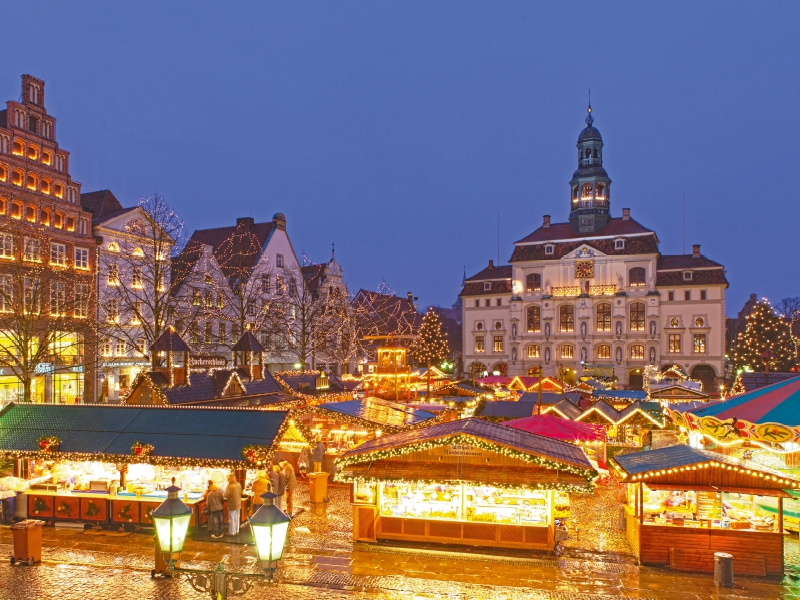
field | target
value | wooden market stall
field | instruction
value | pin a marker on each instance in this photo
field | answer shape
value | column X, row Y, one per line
column 591, row 437
column 344, row 425
column 467, row 482
column 684, row 504
column 110, row 464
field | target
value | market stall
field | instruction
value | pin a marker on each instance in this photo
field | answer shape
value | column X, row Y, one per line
column 344, row 425
column 463, row 482
column 111, row 464
column 684, row 504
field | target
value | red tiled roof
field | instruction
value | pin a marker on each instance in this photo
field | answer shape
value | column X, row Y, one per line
column 100, row 203
column 685, row 262
column 701, row 277
column 499, row 272
column 476, row 288
column 563, row 231
column 645, row 244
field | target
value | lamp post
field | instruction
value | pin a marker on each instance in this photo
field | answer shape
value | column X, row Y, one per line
column 269, row 526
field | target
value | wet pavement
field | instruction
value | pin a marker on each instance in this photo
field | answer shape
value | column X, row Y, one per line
column 321, row 562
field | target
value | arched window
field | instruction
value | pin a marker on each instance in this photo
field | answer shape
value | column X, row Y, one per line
column 575, row 193
column 33, row 153
column 16, row 178
column 59, row 190
column 587, row 191
column 44, row 219
column 637, row 352
column 601, row 190
column 533, row 351
column 18, row 149
column 113, row 247
column 567, row 351
column 46, row 186
column 533, row 282
column 588, row 153
column 566, row 317
column 604, row 351
column 3, row 174
column 534, row 315
column 637, row 316
column 637, row 276
column 595, row 153
column 604, row 317
column 33, row 182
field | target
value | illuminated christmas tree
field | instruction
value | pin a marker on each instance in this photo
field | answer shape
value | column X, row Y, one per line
column 766, row 343
column 431, row 346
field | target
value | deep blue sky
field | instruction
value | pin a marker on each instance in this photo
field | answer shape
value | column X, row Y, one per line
column 398, row 130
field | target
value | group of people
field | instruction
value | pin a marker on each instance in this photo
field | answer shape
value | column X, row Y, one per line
column 279, row 479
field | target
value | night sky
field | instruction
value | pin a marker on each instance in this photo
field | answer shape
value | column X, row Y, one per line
column 399, row 130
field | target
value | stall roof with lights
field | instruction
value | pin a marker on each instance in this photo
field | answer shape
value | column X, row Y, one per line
column 684, row 467
column 560, row 429
column 179, row 436
column 378, row 412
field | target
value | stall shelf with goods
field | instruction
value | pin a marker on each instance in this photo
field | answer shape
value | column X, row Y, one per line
column 111, row 464
column 342, row 426
column 684, row 504
column 466, row 482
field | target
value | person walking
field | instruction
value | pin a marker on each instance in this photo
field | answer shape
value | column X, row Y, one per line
column 278, row 481
column 291, row 483
column 234, row 497
column 303, row 461
column 318, row 455
column 260, row 486
column 215, row 503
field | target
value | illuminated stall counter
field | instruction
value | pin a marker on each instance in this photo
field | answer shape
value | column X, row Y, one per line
column 684, row 504
column 111, row 464
column 463, row 482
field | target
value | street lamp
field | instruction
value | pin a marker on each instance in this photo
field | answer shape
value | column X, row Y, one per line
column 269, row 525
column 171, row 521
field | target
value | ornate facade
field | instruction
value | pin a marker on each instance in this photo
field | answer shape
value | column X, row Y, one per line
column 595, row 295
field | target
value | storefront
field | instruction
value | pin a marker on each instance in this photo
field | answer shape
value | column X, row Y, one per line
column 684, row 504
column 342, row 426
column 117, row 376
column 467, row 482
column 111, row 464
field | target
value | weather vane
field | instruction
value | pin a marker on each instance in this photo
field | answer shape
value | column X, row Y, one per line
column 589, row 118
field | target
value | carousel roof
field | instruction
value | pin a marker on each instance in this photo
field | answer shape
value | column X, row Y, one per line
column 185, row 434
column 776, row 403
column 560, row 429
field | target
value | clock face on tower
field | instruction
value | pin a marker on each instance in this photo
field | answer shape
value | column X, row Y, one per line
column 584, row 269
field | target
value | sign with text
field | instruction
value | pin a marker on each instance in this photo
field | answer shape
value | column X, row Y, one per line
column 207, row 362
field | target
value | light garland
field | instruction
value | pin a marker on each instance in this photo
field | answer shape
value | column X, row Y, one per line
column 48, row 443
column 561, row 487
column 713, row 464
column 460, row 438
column 140, row 449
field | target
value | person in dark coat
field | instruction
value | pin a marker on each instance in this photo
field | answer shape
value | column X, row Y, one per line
column 215, row 503
column 318, row 455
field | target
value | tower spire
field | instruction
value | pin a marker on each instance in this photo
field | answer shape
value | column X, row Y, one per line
column 589, row 117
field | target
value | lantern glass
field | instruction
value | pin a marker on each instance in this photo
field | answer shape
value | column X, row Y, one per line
column 270, row 540
column 171, row 532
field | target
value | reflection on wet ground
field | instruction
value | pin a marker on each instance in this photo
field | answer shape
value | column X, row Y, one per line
column 322, row 562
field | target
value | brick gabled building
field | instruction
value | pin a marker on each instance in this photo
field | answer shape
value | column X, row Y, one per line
column 46, row 231
column 595, row 291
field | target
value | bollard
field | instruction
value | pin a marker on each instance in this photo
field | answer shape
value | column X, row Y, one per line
column 723, row 569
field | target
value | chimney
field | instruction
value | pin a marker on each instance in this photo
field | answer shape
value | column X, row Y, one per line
column 491, row 264
column 626, row 214
column 245, row 222
column 695, row 250
column 546, row 221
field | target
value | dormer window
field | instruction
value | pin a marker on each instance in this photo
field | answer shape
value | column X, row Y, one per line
column 619, row 244
column 549, row 249
column 487, row 286
column 687, row 275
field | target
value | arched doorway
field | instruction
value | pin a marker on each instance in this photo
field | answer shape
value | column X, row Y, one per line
column 707, row 376
column 499, row 368
column 477, row 370
column 636, row 379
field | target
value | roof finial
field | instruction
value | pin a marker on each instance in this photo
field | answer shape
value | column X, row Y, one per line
column 333, row 252
column 589, row 118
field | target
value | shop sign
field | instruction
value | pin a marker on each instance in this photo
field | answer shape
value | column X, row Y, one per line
column 125, row 363
column 204, row 361
column 78, row 369
column 462, row 450
column 43, row 368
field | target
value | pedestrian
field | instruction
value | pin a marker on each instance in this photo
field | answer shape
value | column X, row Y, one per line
column 291, row 483
column 278, row 481
column 261, row 485
column 215, row 504
column 234, row 497
column 318, row 455
column 303, row 461
column 208, row 489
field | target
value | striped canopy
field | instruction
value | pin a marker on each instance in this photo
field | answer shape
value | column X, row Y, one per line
column 769, row 414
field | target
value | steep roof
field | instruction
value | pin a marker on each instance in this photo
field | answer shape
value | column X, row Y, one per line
column 205, row 387
column 248, row 343
column 667, row 262
column 185, row 433
column 563, row 231
column 170, row 341
column 379, row 412
column 492, row 272
column 100, row 203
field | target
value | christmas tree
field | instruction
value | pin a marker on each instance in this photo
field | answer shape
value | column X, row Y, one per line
column 431, row 344
column 766, row 344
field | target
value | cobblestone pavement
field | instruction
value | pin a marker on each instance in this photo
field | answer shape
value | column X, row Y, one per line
column 322, row 563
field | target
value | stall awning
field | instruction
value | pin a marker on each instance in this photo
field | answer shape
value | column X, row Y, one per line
column 711, row 488
column 179, row 436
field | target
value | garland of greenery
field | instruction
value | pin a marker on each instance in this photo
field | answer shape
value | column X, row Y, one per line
column 124, row 513
column 39, row 505
column 588, row 474
column 256, row 455
column 92, row 509
column 573, row 488
column 64, row 509
column 48, row 443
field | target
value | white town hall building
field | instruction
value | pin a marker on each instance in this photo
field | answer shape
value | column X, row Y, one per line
column 595, row 295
